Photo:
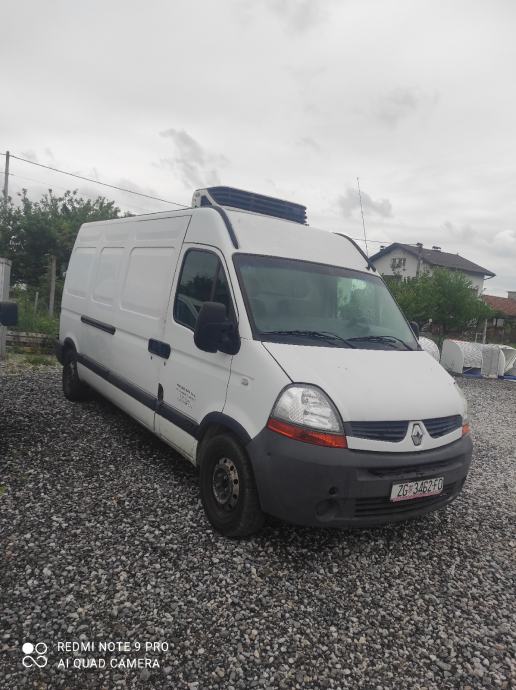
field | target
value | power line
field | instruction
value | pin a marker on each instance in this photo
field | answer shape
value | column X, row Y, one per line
column 51, row 185
column 147, row 196
column 58, row 186
column 89, row 179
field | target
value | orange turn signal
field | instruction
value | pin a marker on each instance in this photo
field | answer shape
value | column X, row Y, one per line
column 300, row 433
column 465, row 429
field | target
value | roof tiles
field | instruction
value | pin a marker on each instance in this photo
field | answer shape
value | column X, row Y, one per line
column 436, row 257
column 504, row 305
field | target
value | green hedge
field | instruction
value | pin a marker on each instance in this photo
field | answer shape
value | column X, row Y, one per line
column 34, row 322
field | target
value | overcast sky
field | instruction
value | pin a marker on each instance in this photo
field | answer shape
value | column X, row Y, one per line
column 293, row 98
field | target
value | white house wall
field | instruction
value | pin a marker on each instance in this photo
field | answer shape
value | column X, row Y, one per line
column 384, row 266
column 476, row 280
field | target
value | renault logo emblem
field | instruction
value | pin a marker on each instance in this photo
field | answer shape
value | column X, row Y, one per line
column 417, row 434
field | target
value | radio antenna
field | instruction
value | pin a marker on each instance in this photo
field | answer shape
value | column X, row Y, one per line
column 362, row 212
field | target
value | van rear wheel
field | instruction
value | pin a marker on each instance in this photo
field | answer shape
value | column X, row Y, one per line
column 73, row 388
column 228, row 489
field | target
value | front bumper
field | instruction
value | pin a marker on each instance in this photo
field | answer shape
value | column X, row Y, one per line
column 313, row 485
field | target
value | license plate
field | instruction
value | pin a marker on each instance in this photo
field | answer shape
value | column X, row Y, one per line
column 417, row 489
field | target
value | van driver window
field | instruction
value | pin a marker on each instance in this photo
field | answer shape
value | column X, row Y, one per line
column 202, row 280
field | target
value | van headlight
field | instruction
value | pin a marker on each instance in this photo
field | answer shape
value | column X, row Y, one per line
column 465, row 417
column 305, row 413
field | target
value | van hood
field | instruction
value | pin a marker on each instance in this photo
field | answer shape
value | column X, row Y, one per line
column 373, row 385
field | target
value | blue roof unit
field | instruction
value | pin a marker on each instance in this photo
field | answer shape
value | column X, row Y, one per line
column 250, row 201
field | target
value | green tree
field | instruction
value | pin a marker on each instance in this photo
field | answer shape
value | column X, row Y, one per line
column 31, row 231
column 445, row 297
column 455, row 305
column 415, row 296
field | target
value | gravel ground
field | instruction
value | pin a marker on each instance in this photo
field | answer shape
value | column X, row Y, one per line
column 103, row 539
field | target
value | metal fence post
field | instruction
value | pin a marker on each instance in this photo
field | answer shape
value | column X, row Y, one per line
column 5, row 278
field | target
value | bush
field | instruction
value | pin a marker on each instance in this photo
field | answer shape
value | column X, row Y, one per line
column 444, row 297
column 30, row 321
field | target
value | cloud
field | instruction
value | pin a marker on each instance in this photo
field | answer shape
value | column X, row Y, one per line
column 30, row 155
column 128, row 183
column 397, row 104
column 351, row 202
column 309, row 143
column 297, row 15
column 504, row 244
column 196, row 166
column 463, row 233
column 91, row 172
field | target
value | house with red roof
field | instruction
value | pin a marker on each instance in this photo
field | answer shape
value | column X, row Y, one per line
column 504, row 321
column 504, row 306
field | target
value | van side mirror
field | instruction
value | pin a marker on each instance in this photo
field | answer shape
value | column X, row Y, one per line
column 415, row 328
column 8, row 314
column 214, row 332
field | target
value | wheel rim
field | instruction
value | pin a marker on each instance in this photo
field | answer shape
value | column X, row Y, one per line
column 226, row 484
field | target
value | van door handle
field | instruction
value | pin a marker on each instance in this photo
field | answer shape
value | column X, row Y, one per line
column 159, row 348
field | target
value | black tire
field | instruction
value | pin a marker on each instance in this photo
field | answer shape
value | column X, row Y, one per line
column 73, row 388
column 228, row 489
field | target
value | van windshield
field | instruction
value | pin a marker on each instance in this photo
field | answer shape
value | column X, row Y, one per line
column 305, row 303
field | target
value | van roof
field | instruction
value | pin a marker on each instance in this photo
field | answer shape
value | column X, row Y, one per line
column 260, row 234
column 256, row 233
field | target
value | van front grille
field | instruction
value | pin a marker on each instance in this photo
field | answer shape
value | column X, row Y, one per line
column 442, row 425
column 379, row 431
column 396, row 431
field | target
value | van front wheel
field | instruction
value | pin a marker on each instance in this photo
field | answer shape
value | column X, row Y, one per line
column 73, row 388
column 228, row 489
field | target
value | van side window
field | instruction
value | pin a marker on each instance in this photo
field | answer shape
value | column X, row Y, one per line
column 202, row 280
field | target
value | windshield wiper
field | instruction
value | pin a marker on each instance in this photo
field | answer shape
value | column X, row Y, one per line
column 320, row 335
column 387, row 339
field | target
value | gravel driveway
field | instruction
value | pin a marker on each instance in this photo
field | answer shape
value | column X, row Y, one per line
column 104, row 540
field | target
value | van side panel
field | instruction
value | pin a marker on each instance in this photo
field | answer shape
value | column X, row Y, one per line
column 115, row 298
column 145, row 285
column 75, row 294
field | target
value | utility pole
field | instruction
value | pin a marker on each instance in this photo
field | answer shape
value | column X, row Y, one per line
column 52, row 295
column 419, row 246
column 6, row 176
column 5, row 276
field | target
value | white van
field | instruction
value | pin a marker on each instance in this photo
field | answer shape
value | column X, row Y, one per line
column 269, row 354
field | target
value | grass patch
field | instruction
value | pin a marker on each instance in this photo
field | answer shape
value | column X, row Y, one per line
column 34, row 321
column 18, row 362
column 39, row 360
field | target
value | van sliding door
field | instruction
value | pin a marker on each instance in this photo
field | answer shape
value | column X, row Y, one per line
column 149, row 268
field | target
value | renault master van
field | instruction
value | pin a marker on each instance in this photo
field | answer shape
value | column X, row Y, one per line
column 269, row 354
